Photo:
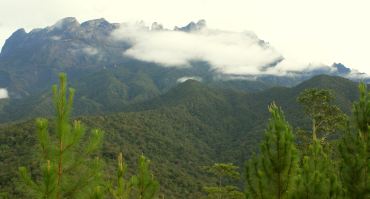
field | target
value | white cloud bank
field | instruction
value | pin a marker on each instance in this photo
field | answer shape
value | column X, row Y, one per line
column 230, row 53
column 3, row 93
column 227, row 52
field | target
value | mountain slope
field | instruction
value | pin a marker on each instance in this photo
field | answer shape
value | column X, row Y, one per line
column 30, row 61
column 190, row 126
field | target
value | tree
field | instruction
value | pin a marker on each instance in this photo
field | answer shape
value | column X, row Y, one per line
column 355, row 149
column 318, row 176
column 70, row 167
column 326, row 118
column 272, row 173
column 221, row 191
column 144, row 185
column 123, row 186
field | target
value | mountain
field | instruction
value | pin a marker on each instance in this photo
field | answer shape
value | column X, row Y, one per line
column 190, row 126
column 182, row 115
column 29, row 61
column 107, row 79
column 192, row 26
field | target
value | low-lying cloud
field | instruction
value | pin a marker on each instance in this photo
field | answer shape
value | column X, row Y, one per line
column 186, row 78
column 55, row 38
column 3, row 93
column 90, row 50
column 227, row 52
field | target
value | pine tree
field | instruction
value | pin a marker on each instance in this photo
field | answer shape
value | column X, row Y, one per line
column 318, row 176
column 272, row 173
column 223, row 171
column 68, row 166
column 123, row 187
column 140, row 186
column 355, row 150
column 144, row 185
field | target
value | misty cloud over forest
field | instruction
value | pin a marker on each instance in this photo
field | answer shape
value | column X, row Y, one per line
column 3, row 93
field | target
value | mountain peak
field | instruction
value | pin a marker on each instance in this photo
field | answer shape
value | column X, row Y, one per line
column 95, row 23
column 66, row 23
column 14, row 40
column 342, row 69
column 20, row 31
column 192, row 26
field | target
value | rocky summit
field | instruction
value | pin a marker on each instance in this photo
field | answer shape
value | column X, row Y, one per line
column 30, row 60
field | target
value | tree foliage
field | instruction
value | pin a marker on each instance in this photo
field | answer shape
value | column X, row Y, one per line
column 70, row 167
column 144, row 185
column 272, row 173
column 123, row 187
column 223, row 190
column 185, row 132
column 318, row 177
column 355, row 150
column 326, row 118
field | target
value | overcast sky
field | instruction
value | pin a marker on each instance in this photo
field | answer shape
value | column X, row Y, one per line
column 318, row 31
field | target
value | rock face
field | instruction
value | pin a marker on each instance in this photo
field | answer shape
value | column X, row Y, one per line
column 64, row 40
column 342, row 69
column 192, row 26
column 15, row 41
column 29, row 61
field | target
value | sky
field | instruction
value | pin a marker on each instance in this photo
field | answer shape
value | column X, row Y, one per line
column 310, row 31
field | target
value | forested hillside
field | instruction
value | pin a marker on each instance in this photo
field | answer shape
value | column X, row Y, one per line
column 191, row 126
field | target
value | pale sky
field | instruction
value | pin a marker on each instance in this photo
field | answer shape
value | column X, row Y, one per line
column 318, row 31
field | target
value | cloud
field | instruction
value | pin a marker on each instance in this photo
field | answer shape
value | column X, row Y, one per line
column 186, row 78
column 304, row 36
column 226, row 52
column 90, row 50
column 356, row 75
column 292, row 67
column 55, row 38
column 3, row 93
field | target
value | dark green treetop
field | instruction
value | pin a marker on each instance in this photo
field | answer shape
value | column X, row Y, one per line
column 223, row 190
column 272, row 173
column 318, row 176
column 355, row 150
